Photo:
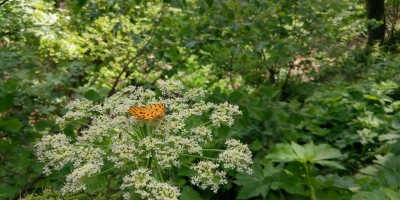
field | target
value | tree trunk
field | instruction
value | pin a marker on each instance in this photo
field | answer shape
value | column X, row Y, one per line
column 376, row 12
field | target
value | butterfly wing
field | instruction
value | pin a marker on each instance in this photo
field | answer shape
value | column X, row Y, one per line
column 158, row 110
column 154, row 110
column 138, row 112
column 147, row 112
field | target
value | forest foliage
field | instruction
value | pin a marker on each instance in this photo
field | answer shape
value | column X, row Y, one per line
column 319, row 97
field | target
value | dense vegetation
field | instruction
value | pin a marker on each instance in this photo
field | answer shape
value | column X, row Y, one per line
column 317, row 82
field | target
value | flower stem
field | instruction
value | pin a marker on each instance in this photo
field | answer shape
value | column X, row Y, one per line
column 209, row 158
column 218, row 150
column 148, row 163
column 158, row 169
column 312, row 193
column 105, row 171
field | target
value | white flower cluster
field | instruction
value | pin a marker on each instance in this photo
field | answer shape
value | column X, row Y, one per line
column 237, row 156
column 55, row 151
column 158, row 144
column 148, row 187
column 223, row 114
column 208, row 175
column 80, row 108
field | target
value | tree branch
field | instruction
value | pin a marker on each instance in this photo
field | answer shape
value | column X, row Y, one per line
column 126, row 66
column 24, row 190
column 285, row 84
column 173, row 69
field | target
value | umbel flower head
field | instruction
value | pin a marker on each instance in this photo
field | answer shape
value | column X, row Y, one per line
column 160, row 132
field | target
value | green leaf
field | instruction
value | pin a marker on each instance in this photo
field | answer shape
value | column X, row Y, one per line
column 11, row 124
column 332, row 180
column 316, row 154
column 330, row 163
column 6, row 102
column 389, row 136
column 382, row 193
column 254, row 184
column 384, row 171
column 391, row 193
column 92, row 95
column 396, row 123
column 371, row 97
column 282, row 153
column 256, row 145
column 210, row 3
column 189, row 193
column 81, row 3
column 249, row 191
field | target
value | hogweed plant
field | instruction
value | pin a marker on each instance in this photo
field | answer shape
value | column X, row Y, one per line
column 144, row 136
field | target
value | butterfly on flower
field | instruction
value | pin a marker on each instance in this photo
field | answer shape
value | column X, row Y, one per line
column 149, row 111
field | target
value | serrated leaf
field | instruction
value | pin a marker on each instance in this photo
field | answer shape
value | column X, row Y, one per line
column 330, row 163
column 390, row 193
column 282, row 153
column 376, row 194
column 317, row 154
column 324, row 152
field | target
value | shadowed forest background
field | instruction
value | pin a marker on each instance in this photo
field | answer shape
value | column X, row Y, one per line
column 318, row 83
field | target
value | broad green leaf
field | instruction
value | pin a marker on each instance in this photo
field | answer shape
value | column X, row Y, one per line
column 324, row 152
column 10, row 124
column 189, row 193
column 282, row 153
column 92, row 95
column 254, row 184
column 396, row 123
column 256, row 145
column 391, row 193
column 6, row 102
column 332, row 180
column 384, row 170
column 389, row 136
column 330, row 163
column 378, row 194
column 316, row 154
column 254, row 190
column 371, row 97
column 210, row 3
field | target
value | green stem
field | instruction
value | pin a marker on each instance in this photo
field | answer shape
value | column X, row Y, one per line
column 183, row 154
column 148, row 163
column 218, row 150
column 185, row 165
column 312, row 192
column 158, row 169
column 95, row 145
column 81, row 123
column 103, row 172
column 280, row 194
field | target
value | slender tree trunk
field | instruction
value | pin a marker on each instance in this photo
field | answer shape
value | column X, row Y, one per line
column 60, row 4
column 376, row 12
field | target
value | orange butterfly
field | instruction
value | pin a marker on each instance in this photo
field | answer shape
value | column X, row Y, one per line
column 149, row 111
